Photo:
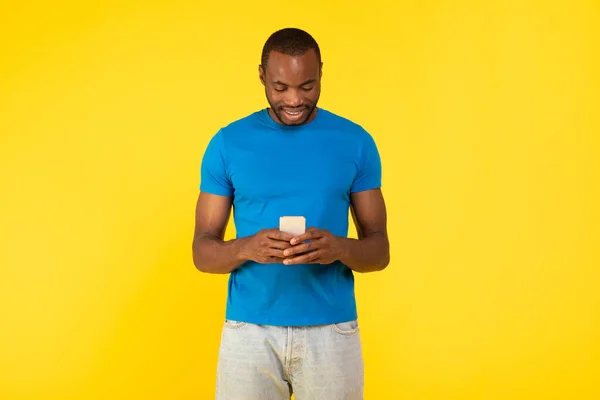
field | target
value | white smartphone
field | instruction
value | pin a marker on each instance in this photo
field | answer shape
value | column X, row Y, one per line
column 292, row 224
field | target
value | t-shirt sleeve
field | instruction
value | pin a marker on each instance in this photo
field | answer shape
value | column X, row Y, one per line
column 369, row 166
column 214, row 177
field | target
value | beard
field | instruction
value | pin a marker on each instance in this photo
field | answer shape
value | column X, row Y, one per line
column 278, row 110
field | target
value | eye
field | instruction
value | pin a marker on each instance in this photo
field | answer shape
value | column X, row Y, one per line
column 279, row 89
column 307, row 89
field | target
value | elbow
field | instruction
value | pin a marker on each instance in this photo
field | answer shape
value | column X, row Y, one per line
column 376, row 265
column 199, row 258
column 383, row 262
column 204, row 267
column 386, row 261
column 380, row 258
column 200, row 266
column 199, row 261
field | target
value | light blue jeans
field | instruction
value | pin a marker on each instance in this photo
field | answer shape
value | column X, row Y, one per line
column 259, row 362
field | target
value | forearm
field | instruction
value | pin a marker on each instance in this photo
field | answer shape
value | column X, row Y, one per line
column 215, row 256
column 367, row 254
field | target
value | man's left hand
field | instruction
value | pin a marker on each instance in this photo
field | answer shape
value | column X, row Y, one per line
column 323, row 248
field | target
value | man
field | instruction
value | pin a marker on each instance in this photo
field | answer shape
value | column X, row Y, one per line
column 291, row 320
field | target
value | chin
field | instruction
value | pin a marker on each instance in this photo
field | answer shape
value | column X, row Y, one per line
column 302, row 118
column 293, row 123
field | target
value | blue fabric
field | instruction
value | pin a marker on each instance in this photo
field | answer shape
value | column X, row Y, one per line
column 273, row 170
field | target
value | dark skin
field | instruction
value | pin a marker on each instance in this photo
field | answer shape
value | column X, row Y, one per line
column 292, row 86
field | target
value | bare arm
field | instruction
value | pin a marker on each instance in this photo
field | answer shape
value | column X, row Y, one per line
column 211, row 253
column 370, row 252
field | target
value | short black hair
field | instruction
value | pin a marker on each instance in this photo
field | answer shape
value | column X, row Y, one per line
column 291, row 42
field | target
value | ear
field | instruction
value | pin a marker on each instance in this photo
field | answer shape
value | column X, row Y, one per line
column 261, row 74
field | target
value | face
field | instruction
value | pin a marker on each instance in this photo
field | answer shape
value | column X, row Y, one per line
column 293, row 86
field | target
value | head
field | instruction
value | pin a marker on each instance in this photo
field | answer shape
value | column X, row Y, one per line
column 291, row 71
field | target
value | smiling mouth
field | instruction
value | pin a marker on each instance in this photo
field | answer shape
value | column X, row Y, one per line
column 294, row 112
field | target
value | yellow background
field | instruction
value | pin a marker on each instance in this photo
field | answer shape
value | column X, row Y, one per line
column 486, row 116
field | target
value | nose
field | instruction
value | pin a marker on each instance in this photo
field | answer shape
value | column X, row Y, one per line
column 293, row 99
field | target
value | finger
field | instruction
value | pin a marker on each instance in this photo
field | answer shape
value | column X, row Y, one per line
column 310, row 234
column 279, row 244
column 270, row 260
column 303, row 259
column 275, row 254
column 299, row 249
column 276, row 234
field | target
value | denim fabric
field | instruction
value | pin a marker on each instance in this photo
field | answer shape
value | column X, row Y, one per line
column 262, row 362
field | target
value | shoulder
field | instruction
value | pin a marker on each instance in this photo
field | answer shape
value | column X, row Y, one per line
column 234, row 130
column 241, row 124
column 350, row 127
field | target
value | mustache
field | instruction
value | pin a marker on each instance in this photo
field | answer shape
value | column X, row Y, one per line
column 300, row 108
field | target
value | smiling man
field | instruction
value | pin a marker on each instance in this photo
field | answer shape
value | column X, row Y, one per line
column 291, row 323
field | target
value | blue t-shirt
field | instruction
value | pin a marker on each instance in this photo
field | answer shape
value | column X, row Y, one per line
column 274, row 170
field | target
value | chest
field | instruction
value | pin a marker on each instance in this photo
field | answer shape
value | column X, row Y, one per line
column 283, row 169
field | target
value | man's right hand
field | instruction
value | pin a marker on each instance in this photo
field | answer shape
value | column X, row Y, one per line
column 266, row 246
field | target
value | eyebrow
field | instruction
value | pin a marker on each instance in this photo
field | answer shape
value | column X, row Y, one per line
column 302, row 84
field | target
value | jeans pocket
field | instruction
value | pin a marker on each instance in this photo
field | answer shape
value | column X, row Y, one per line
column 348, row 328
column 232, row 324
